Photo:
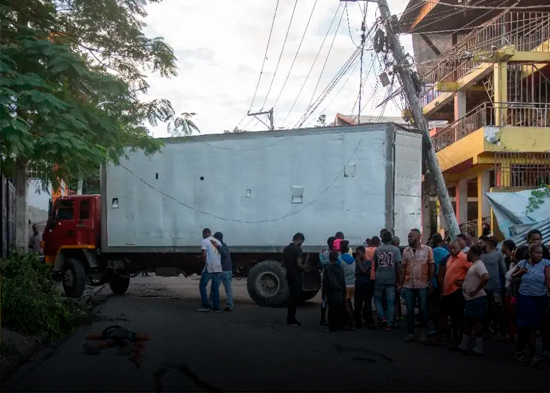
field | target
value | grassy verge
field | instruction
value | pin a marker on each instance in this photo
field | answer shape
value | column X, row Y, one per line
column 31, row 304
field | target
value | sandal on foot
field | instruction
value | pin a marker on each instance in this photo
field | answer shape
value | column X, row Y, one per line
column 535, row 360
column 519, row 356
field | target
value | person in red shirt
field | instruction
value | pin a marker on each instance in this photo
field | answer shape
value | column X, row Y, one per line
column 450, row 278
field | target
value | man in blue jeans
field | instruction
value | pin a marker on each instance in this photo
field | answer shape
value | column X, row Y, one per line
column 212, row 271
column 417, row 282
column 387, row 259
column 227, row 274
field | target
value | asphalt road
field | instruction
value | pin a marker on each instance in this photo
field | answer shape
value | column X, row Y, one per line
column 252, row 349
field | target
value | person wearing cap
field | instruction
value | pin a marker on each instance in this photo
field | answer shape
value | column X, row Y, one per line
column 294, row 265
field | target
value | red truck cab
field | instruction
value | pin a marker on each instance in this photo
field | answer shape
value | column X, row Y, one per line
column 71, row 244
column 74, row 223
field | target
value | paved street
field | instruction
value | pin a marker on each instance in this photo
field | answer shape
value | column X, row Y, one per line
column 252, row 349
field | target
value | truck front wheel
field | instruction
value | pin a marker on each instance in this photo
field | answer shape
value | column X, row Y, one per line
column 267, row 284
column 74, row 278
column 119, row 285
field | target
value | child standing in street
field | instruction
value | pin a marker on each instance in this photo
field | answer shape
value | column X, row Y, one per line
column 334, row 290
column 348, row 264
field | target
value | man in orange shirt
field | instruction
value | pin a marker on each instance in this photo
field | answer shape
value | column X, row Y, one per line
column 450, row 278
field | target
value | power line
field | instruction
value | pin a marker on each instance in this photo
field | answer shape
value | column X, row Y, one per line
column 484, row 7
column 363, row 39
column 349, row 27
column 326, row 59
column 356, row 63
column 313, row 65
column 281, row 55
column 265, row 55
column 297, row 53
column 345, row 68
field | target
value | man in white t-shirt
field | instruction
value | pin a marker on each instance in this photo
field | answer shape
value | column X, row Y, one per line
column 212, row 271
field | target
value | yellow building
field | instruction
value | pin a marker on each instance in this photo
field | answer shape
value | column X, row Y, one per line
column 486, row 72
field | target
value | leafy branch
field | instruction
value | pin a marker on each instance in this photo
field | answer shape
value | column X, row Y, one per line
column 537, row 198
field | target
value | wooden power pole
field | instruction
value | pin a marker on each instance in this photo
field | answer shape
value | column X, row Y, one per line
column 405, row 72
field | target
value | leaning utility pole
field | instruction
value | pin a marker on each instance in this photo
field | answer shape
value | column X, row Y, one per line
column 403, row 69
column 269, row 114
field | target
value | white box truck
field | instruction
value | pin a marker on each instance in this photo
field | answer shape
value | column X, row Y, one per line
column 257, row 188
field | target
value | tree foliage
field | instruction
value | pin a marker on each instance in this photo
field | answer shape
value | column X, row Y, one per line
column 72, row 84
column 30, row 302
column 538, row 197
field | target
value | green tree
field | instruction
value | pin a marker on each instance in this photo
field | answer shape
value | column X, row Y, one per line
column 72, row 85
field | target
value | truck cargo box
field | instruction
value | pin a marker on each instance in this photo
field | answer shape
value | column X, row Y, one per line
column 259, row 188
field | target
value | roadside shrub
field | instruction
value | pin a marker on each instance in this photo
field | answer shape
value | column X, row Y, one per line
column 30, row 302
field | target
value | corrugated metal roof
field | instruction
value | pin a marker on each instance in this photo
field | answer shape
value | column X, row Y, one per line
column 543, row 226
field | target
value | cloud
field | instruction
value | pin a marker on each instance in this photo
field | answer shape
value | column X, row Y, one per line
column 220, row 47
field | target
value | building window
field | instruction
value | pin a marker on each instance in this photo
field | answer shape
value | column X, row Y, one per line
column 529, row 175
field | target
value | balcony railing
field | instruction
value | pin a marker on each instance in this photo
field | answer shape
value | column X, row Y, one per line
column 525, row 31
column 517, row 114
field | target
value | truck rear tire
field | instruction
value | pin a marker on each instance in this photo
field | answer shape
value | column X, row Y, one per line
column 119, row 285
column 267, row 284
column 74, row 278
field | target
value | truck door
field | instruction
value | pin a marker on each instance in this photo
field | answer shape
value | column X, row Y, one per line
column 84, row 227
column 61, row 228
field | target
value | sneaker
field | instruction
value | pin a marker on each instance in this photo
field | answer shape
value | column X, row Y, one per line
column 389, row 328
column 216, row 310
column 395, row 325
column 536, row 360
column 423, row 337
column 519, row 357
column 294, row 323
column 383, row 323
column 432, row 333
column 202, row 309
column 409, row 338
column 228, row 309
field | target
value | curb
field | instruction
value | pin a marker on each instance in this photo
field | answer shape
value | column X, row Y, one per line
column 33, row 344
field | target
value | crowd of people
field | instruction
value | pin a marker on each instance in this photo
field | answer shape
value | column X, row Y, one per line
column 470, row 289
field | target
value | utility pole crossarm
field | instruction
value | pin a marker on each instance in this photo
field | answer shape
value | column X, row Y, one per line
column 403, row 69
column 269, row 114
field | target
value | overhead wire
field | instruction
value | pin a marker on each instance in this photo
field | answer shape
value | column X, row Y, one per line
column 356, row 63
column 297, row 53
column 481, row 7
column 281, row 55
column 265, row 55
column 326, row 59
column 312, row 66
column 343, row 70
column 363, row 40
